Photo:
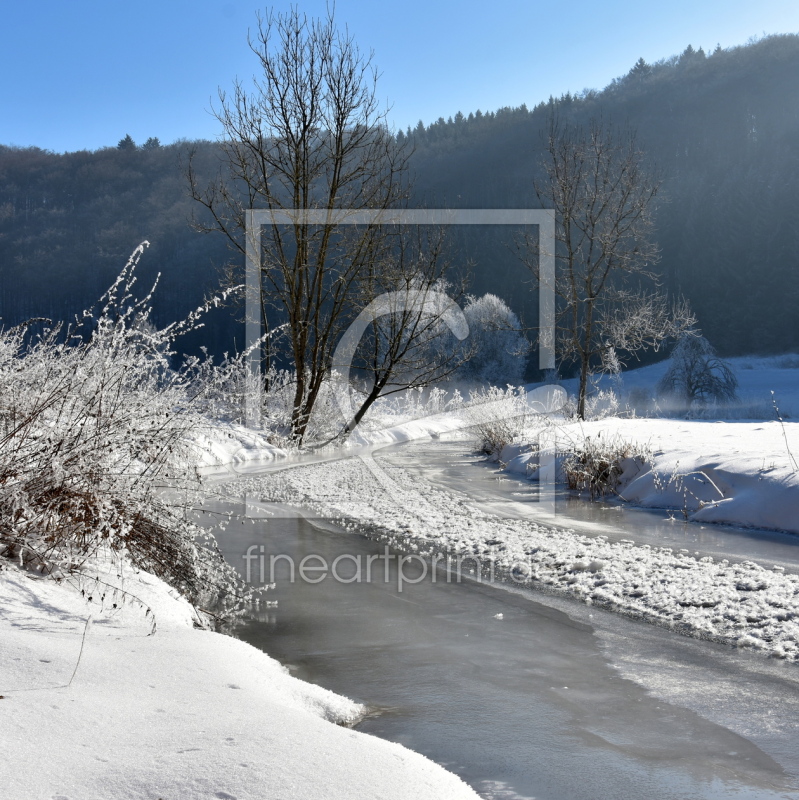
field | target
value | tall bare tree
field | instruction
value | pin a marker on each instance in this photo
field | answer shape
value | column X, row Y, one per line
column 597, row 181
column 307, row 134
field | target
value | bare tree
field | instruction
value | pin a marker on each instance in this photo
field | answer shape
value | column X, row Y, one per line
column 602, row 193
column 308, row 134
column 402, row 338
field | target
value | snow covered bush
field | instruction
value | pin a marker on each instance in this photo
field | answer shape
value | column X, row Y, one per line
column 498, row 417
column 696, row 376
column 415, row 403
column 596, row 463
column 601, row 404
column 96, row 445
column 497, row 348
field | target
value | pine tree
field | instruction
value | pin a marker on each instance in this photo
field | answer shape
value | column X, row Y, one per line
column 640, row 70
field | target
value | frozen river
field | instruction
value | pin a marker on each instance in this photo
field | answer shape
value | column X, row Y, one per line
column 528, row 695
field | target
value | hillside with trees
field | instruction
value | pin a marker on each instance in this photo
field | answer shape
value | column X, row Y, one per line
column 68, row 223
column 721, row 128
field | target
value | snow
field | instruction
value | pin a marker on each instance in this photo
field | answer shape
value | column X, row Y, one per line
column 189, row 713
column 735, row 472
column 732, row 472
column 182, row 713
column 223, row 446
column 757, row 377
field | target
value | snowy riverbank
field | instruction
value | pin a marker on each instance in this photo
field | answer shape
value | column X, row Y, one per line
column 183, row 713
column 732, row 472
column 190, row 713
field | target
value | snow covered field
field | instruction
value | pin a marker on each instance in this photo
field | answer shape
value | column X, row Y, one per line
column 757, row 377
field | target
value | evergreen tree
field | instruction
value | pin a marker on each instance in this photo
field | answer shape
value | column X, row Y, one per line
column 640, row 70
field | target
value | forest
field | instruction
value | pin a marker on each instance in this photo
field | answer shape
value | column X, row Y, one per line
column 720, row 128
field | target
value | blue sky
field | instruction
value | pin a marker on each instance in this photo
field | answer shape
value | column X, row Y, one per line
column 81, row 74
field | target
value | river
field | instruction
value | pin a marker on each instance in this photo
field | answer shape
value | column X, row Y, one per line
column 523, row 694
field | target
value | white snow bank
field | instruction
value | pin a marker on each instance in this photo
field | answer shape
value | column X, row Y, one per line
column 183, row 713
column 426, row 427
column 222, row 445
column 738, row 473
column 483, row 408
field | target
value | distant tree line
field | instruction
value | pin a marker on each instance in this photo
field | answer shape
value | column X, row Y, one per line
column 722, row 128
column 69, row 222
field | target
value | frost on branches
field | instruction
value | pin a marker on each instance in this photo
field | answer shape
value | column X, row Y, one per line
column 94, row 425
column 498, row 347
column 696, row 375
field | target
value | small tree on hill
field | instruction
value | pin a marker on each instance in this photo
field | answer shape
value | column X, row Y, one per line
column 127, row 143
column 696, row 375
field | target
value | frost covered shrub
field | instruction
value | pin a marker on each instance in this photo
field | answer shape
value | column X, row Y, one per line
column 497, row 348
column 499, row 417
column 599, row 405
column 414, row 403
column 696, row 376
column 596, row 463
column 94, row 424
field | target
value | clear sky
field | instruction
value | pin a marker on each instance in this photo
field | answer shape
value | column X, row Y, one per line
column 80, row 74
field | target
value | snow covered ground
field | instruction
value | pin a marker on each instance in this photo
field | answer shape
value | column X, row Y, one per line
column 222, row 448
column 739, row 467
column 183, row 713
column 734, row 472
column 757, row 377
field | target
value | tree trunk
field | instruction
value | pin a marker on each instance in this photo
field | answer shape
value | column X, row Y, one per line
column 583, row 387
column 361, row 412
column 585, row 359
